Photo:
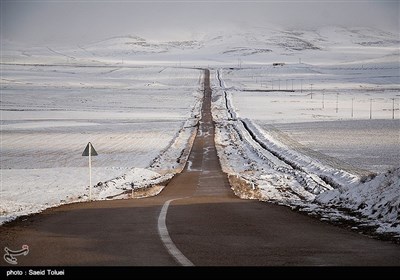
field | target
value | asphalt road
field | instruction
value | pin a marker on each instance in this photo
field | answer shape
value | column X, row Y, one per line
column 196, row 220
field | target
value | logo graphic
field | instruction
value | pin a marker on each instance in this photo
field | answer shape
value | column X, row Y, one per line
column 10, row 255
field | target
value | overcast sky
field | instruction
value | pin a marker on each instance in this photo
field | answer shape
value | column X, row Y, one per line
column 170, row 20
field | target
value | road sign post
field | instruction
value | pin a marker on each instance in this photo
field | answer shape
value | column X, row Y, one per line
column 89, row 152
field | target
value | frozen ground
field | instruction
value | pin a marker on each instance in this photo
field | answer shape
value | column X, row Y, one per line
column 314, row 152
column 372, row 145
column 130, row 115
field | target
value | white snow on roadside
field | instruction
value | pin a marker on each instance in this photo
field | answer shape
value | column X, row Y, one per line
column 49, row 113
column 378, row 200
column 267, row 166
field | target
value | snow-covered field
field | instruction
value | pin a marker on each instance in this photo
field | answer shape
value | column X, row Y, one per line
column 369, row 145
column 315, row 135
column 309, row 166
column 317, row 143
column 341, row 114
column 130, row 115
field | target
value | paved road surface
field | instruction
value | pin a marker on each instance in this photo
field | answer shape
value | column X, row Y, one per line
column 205, row 225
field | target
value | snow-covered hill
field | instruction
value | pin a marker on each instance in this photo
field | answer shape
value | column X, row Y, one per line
column 247, row 46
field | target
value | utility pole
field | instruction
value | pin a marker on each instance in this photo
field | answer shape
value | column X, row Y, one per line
column 393, row 109
column 370, row 109
column 323, row 99
column 352, row 107
column 311, row 89
column 301, row 86
column 337, row 103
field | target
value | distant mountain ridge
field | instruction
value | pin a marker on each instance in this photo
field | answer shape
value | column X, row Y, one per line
column 253, row 44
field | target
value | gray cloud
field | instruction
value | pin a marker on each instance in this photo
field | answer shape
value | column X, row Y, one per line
column 93, row 20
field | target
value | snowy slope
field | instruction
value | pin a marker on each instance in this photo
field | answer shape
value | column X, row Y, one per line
column 377, row 199
column 244, row 46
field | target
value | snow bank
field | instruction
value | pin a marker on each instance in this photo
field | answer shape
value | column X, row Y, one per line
column 335, row 177
column 377, row 200
column 168, row 163
column 25, row 200
column 251, row 165
column 136, row 178
column 262, row 167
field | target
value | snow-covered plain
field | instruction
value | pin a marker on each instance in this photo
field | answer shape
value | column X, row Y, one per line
column 362, row 146
column 279, row 129
column 369, row 113
column 70, row 95
column 131, row 116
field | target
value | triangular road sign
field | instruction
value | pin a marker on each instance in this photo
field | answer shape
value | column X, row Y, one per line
column 92, row 150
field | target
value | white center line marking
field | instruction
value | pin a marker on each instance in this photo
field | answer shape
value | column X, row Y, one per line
column 166, row 239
